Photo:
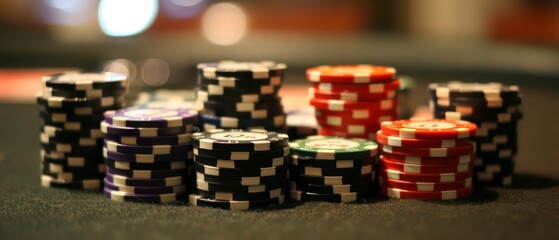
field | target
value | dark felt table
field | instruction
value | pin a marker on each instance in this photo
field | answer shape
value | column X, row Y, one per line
column 528, row 210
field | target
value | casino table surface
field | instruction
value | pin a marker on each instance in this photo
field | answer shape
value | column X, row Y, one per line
column 527, row 210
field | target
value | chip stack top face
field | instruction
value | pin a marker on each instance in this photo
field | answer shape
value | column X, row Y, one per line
column 429, row 129
column 495, row 108
column 350, row 74
column 334, row 148
column 86, row 81
column 248, row 70
column 155, row 118
column 239, row 140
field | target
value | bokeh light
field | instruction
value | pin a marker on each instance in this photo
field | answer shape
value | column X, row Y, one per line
column 120, row 18
column 224, row 23
column 182, row 9
column 64, row 12
column 155, row 72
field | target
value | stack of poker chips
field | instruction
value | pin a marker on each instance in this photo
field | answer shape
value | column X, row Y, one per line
column 351, row 101
column 495, row 108
column 148, row 154
column 241, row 95
column 71, row 107
column 331, row 169
column 239, row 169
column 426, row 159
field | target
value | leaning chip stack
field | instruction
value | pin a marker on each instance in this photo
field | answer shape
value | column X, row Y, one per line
column 426, row 159
column 239, row 169
column 331, row 169
column 241, row 95
column 352, row 100
column 495, row 108
column 71, row 107
column 148, row 154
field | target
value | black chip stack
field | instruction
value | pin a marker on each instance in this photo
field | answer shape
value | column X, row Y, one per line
column 71, row 107
column 239, row 169
column 241, row 95
column 495, row 109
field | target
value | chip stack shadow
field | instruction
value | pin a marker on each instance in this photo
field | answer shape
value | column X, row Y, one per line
column 495, row 108
column 71, row 107
column 331, row 169
column 148, row 154
column 239, row 169
column 241, row 95
column 351, row 100
column 426, row 159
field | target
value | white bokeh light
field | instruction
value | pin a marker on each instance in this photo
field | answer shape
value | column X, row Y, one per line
column 155, row 72
column 224, row 24
column 120, row 18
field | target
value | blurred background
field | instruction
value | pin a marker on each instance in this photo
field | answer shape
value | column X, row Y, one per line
column 159, row 42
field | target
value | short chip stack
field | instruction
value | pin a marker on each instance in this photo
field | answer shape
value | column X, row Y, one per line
column 239, row 169
column 495, row 108
column 71, row 108
column 351, row 101
column 241, row 95
column 426, row 159
column 148, row 154
column 331, row 169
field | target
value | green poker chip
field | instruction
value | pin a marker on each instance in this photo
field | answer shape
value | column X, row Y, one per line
column 334, row 148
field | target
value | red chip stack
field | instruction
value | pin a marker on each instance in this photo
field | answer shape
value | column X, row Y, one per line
column 426, row 159
column 352, row 100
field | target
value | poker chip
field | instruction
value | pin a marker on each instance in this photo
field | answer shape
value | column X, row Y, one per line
column 430, row 152
column 395, row 141
column 350, row 73
column 131, row 197
column 231, row 122
column 148, row 153
column 432, row 196
column 72, row 103
column 220, row 163
column 431, row 129
column 428, row 169
column 420, row 160
column 496, row 109
column 198, row 200
column 73, row 81
column 92, row 93
column 239, row 82
column 85, row 184
column 340, row 197
column 422, row 177
column 352, row 100
column 151, row 118
column 204, row 96
column 239, row 140
column 425, row 186
column 334, row 148
column 242, row 70
column 332, row 169
column 239, row 165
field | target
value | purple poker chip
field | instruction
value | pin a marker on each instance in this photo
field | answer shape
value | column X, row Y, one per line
column 151, row 141
column 147, row 158
column 145, row 132
column 145, row 190
column 131, row 197
column 119, row 180
column 150, row 118
column 148, row 174
column 153, row 150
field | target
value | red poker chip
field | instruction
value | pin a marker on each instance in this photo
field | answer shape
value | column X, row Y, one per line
column 328, row 132
column 435, row 129
column 428, row 196
column 354, row 129
column 350, row 73
column 365, row 89
column 424, row 186
column 356, row 113
column 423, row 177
column 431, row 152
column 339, row 121
column 409, row 142
column 339, row 105
column 352, row 96
column 426, row 169
column 418, row 160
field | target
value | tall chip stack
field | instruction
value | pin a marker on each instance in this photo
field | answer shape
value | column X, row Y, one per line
column 148, row 154
column 71, row 108
column 241, row 95
column 495, row 108
column 351, row 100
column 331, row 169
column 239, row 169
column 426, row 159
